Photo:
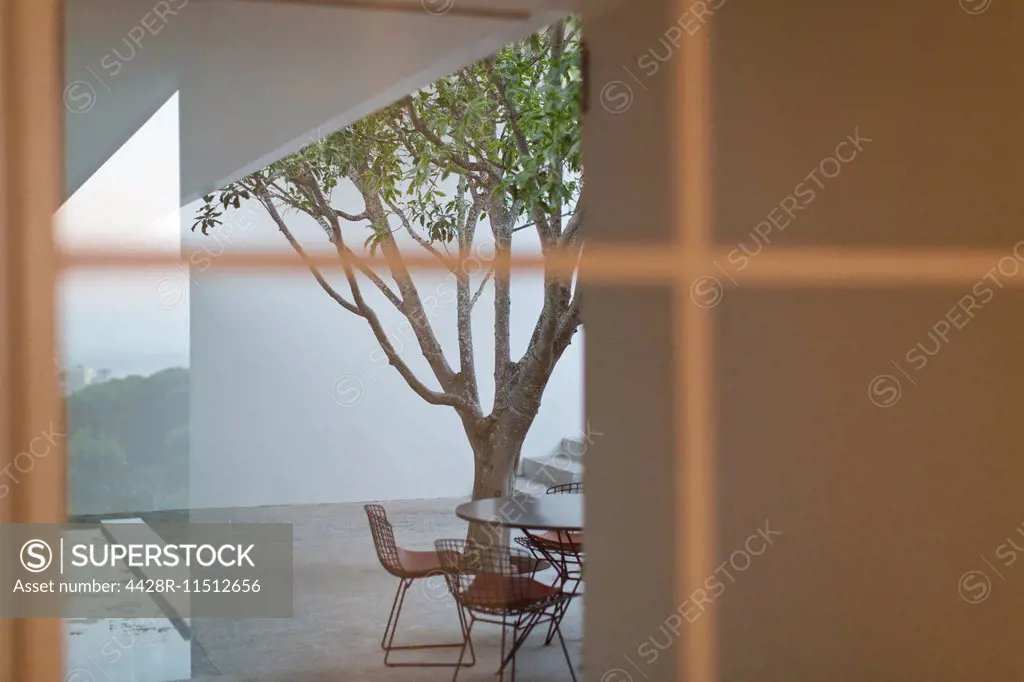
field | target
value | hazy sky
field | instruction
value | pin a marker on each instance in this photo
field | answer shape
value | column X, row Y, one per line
column 112, row 318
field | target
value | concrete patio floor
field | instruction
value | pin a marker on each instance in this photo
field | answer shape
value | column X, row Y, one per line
column 342, row 599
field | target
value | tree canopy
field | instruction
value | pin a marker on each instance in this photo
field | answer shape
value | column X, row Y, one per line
column 128, row 447
column 497, row 142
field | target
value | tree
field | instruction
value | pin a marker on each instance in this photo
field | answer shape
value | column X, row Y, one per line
column 497, row 141
column 98, row 471
column 128, row 448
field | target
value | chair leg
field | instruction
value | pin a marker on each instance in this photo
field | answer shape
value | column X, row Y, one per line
column 526, row 627
column 501, row 669
column 465, row 627
column 563, row 580
column 391, row 616
column 387, row 643
column 561, row 610
column 555, row 617
column 568, row 661
column 526, row 624
column 515, row 638
column 466, row 640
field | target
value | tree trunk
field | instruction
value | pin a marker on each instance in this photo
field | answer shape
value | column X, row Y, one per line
column 495, row 457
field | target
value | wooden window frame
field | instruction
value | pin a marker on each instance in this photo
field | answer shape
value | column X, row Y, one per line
column 31, row 78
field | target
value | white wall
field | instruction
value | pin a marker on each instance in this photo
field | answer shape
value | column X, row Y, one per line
column 292, row 403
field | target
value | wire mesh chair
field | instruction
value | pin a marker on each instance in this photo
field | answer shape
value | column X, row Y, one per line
column 572, row 540
column 489, row 585
column 563, row 550
column 574, row 488
column 408, row 566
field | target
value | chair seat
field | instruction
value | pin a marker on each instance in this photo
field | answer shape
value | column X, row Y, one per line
column 562, row 540
column 495, row 592
column 419, row 563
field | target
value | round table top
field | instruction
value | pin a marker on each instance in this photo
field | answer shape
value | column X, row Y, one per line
column 542, row 512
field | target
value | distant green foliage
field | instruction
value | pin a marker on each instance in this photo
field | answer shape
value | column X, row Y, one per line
column 128, row 444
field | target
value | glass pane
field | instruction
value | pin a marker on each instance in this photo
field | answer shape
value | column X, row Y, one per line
column 125, row 373
column 125, row 360
column 124, row 363
column 262, row 396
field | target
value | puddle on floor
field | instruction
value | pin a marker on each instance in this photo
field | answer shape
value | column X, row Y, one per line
column 126, row 650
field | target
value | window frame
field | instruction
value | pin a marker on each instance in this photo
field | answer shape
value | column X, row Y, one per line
column 31, row 72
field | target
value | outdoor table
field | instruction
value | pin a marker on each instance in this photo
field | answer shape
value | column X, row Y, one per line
column 527, row 512
column 535, row 516
column 562, row 514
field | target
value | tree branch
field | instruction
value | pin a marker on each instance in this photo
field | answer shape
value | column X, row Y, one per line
column 501, row 224
column 412, row 306
column 458, row 159
column 480, row 289
column 327, row 214
column 362, row 310
column 466, row 221
column 513, row 122
column 556, row 34
column 510, row 109
column 416, row 235
column 519, row 228
column 268, row 204
column 355, row 218
column 572, row 228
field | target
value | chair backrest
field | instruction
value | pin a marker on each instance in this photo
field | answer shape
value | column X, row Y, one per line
column 566, row 488
column 494, row 579
column 383, row 538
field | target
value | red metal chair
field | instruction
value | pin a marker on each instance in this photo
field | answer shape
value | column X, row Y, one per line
column 563, row 550
column 572, row 541
column 408, row 566
column 489, row 584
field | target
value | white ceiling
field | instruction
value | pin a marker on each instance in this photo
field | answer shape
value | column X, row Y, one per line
column 256, row 78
